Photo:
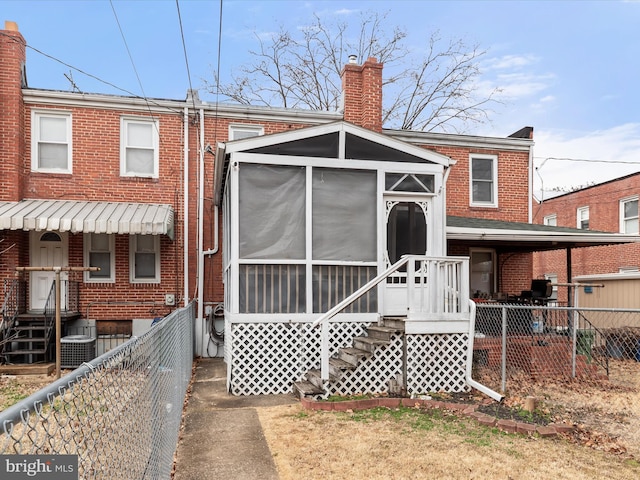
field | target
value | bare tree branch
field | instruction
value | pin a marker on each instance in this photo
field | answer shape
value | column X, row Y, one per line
column 433, row 90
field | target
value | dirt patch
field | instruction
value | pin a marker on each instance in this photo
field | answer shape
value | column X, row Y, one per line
column 14, row 388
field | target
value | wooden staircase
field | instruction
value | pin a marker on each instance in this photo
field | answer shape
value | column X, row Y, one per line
column 348, row 358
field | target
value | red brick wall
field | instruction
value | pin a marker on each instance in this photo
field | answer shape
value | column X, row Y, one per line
column 604, row 215
column 362, row 87
column 513, row 202
column 12, row 59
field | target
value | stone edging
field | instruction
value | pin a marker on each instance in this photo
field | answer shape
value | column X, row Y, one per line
column 469, row 410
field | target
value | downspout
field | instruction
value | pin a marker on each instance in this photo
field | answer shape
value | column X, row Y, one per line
column 470, row 381
column 214, row 250
column 443, row 200
column 530, row 175
column 200, row 315
column 185, row 209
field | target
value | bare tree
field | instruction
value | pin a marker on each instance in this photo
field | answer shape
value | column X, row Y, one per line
column 431, row 88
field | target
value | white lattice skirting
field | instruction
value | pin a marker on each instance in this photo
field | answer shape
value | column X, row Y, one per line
column 437, row 363
column 266, row 358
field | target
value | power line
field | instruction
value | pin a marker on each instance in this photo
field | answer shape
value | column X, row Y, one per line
column 79, row 70
column 589, row 160
column 186, row 58
column 126, row 46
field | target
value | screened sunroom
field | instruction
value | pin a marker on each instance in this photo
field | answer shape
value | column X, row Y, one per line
column 309, row 217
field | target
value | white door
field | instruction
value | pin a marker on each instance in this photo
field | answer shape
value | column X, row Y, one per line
column 48, row 249
column 408, row 233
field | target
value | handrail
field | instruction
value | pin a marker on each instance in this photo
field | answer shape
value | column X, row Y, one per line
column 10, row 310
column 332, row 312
column 324, row 318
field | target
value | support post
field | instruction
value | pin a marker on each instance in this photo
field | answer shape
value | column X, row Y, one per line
column 58, row 324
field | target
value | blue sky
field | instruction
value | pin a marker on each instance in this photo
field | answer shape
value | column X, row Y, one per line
column 570, row 69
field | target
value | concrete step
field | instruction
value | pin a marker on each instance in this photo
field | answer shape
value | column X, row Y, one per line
column 368, row 344
column 394, row 322
column 305, row 389
column 352, row 355
column 381, row 333
column 337, row 366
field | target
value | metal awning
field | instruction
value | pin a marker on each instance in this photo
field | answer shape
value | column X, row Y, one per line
column 89, row 217
column 525, row 237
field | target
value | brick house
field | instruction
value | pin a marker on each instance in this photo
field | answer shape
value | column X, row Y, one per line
column 138, row 186
column 610, row 206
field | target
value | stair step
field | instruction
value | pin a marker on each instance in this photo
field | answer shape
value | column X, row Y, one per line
column 29, row 340
column 337, row 366
column 40, row 351
column 27, row 328
column 368, row 344
column 315, row 377
column 394, row 322
column 352, row 355
column 305, row 389
column 381, row 333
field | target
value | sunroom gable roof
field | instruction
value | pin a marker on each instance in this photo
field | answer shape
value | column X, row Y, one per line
column 340, row 140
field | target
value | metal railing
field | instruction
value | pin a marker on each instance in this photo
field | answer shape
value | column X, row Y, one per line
column 436, row 290
column 547, row 343
column 120, row 413
column 12, row 305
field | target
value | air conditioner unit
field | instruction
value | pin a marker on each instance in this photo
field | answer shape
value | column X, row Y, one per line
column 76, row 350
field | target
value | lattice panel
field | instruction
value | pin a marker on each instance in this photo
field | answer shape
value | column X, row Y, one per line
column 266, row 358
column 436, row 363
column 373, row 372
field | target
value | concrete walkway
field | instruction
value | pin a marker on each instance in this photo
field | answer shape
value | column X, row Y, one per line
column 222, row 437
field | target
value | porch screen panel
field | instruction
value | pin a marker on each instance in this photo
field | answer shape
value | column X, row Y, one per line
column 272, row 289
column 272, row 212
column 344, row 215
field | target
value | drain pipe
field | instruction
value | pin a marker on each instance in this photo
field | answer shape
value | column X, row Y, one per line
column 185, row 224
column 470, row 381
column 200, row 315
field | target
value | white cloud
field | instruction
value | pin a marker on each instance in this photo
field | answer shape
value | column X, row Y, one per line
column 510, row 62
column 565, row 161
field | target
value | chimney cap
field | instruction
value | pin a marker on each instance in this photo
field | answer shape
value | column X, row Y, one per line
column 353, row 59
column 10, row 26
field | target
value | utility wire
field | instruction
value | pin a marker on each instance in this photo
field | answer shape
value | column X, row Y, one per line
column 79, row 70
column 186, row 58
column 126, row 46
column 590, row 160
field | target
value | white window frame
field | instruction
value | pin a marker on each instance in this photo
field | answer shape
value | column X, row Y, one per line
column 494, row 267
column 234, row 128
column 624, row 219
column 155, row 127
column 36, row 115
column 88, row 248
column 494, row 180
column 580, row 217
column 133, row 245
column 551, row 220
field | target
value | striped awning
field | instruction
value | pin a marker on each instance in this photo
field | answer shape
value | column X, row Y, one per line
column 89, row 217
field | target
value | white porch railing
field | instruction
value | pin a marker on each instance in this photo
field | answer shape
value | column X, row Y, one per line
column 437, row 290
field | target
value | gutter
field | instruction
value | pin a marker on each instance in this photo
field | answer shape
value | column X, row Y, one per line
column 470, row 381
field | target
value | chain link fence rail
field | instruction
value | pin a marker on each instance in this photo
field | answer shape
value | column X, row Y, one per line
column 512, row 342
column 120, row 413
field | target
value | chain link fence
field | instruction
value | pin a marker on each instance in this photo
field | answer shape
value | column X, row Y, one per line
column 513, row 342
column 120, row 413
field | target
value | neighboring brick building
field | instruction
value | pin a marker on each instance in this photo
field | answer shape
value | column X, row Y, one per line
column 127, row 184
column 607, row 207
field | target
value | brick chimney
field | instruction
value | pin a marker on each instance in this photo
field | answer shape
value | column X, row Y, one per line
column 362, row 90
column 12, row 80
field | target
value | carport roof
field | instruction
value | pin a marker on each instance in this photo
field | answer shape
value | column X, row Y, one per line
column 526, row 237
